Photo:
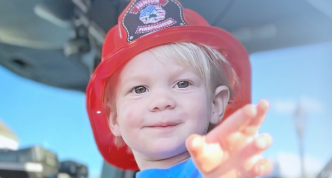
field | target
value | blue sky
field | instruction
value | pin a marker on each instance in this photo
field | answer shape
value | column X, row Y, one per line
column 56, row 119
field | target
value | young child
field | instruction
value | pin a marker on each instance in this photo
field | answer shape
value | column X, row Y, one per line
column 166, row 81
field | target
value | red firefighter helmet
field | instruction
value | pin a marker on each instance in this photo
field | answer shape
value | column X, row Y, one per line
column 145, row 24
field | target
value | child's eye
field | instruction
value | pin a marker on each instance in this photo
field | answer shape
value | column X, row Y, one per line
column 139, row 90
column 183, row 84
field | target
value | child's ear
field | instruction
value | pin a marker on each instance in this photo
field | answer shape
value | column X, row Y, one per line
column 220, row 101
column 113, row 124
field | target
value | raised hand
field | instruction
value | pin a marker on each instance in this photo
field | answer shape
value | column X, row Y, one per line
column 232, row 150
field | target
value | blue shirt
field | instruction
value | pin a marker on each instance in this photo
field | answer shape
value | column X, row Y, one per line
column 182, row 170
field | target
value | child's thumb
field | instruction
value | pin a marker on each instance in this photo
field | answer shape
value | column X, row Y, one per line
column 205, row 156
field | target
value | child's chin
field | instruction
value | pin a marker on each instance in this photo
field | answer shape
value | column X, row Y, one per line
column 165, row 149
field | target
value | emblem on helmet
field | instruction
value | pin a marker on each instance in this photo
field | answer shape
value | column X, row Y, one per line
column 152, row 14
column 148, row 16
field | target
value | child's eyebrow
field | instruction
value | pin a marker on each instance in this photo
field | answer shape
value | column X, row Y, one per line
column 135, row 78
column 145, row 77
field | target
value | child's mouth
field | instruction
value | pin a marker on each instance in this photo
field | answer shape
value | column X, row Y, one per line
column 163, row 126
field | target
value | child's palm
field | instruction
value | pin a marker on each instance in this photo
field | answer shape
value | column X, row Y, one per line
column 231, row 150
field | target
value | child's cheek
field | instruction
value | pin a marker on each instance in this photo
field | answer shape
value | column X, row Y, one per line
column 130, row 114
column 196, row 101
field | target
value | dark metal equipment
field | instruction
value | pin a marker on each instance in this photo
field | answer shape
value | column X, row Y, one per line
column 34, row 162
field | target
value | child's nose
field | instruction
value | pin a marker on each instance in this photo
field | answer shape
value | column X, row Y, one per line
column 161, row 101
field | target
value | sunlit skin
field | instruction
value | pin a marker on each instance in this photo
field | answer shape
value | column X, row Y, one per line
column 162, row 108
column 231, row 149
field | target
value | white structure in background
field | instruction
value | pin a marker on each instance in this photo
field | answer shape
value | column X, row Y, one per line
column 290, row 165
column 327, row 171
column 8, row 140
column 287, row 165
column 300, row 117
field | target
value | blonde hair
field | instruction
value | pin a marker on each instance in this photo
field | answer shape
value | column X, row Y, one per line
column 209, row 63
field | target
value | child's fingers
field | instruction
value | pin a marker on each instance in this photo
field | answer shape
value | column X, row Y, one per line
column 263, row 167
column 255, row 149
column 195, row 144
column 262, row 108
column 206, row 157
column 252, row 127
column 262, row 142
column 259, row 165
column 246, row 120
column 234, row 123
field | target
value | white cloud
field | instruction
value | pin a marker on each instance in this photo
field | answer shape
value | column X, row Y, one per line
column 288, row 106
column 283, row 106
column 289, row 165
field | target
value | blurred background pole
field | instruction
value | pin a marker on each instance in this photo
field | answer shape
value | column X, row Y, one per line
column 299, row 120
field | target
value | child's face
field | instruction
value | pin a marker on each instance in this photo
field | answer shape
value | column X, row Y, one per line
column 158, row 105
